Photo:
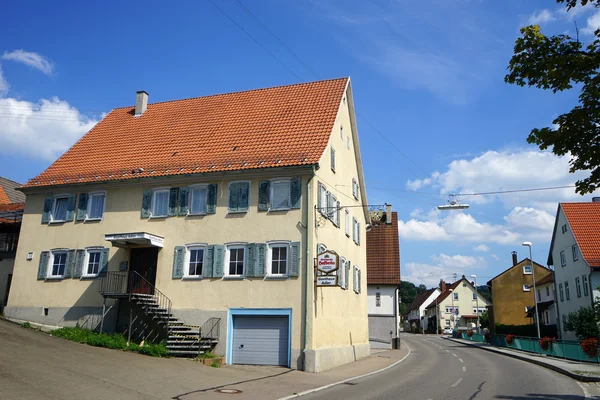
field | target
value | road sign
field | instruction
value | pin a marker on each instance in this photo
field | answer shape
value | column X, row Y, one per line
column 327, row 280
column 327, row 262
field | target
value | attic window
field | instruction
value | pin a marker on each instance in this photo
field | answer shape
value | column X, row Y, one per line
column 234, row 148
column 564, row 228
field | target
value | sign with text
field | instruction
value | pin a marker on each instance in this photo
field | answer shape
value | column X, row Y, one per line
column 327, row 262
column 327, row 280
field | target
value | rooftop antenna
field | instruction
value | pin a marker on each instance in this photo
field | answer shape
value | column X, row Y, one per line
column 453, row 204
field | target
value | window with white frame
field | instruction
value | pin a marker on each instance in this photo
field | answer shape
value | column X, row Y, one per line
column 527, row 270
column 575, row 251
column 354, row 188
column 342, row 272
column 347, row 221
column 92, row 262
column 562, row 293
column 455, row 296
column 58, row 262
column 342, row 132
column 194, row 261
column 280, row 194
column 567, row 293
column 563, row 259
column 279, row 256
column 526, row 287
column 59, row 208
column 585, row 285
column 324, row 197
column 578, row 286
column 474, row 296
column 197, row 202
column 95, row 206
column 334, row 215
column 447, row 323
column 355, row 279
column 377, row 299
column 235, row 260
column 160, row 203
column 332, row 152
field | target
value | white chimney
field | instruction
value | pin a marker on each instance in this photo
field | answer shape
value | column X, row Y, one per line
column 141, row 102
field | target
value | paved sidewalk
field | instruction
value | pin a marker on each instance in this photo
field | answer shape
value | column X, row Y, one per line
column 583, row 372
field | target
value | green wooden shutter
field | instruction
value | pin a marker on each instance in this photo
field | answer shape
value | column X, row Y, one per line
column 331, row 200
column 82, row 206
column 103, row 262
column 146, row 204
column 244, row 196
column 183, row 201
column 295, row 192
column 333, row 159
column 337, row 214
column 207, row 268
column 47, row 209
column 79, row 259
column 43, row 267
column 294, row 259
column 261, row 254
column 251, row 259
column 358, row 233
column 173, row 201
column 71, row 208
column 70, row 263
column 319, row 199
column 211, row 199
column 264, row 189
column 347, row 282
column 359, row 281
column 219, row 261
column 233, row 197
column 178, row 260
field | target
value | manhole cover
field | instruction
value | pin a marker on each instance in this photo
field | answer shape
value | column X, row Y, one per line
column 228, row 391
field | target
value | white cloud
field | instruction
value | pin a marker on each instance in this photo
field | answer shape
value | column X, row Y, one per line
column 442, row 267
column 541, row 17
column 531, row 218
column 31, row 59
column 40, row 130
column 422, row 230
column 459, row 261
column 593, row 23
column 481, row 248
column 495, row 257
column 3, row 84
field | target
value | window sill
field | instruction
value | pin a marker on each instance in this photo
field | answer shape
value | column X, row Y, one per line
column 158, row 216
column 88, row 277
column 234, row 277
column 276, row 277
column 54, row 278
column 198, row 214
column 57, row 222
column 278, row 209
column 92, row 220
column 192, row 278
column 237, row 212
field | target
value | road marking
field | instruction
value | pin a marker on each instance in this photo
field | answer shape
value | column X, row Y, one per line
column 454, row 355
column 457, row 382
column 349, row 379
column 586, row 393
column 447, row 351
column 464, row 369
column 460, row 359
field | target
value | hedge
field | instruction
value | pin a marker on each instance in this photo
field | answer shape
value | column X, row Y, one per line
column 526, row 330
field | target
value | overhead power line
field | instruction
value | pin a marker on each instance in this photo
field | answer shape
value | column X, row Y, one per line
column 513, row 191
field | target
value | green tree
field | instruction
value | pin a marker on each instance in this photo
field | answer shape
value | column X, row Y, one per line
column 584, row 322
column 421, row 288
column 484, row 319
column 408, row 292
column 559, row 63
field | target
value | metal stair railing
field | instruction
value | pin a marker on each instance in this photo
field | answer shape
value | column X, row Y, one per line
column 210, row 329
column 138, row 285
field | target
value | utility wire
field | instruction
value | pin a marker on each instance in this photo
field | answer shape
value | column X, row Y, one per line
column 513, row 191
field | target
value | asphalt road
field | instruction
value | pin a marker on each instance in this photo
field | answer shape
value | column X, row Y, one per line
column 439, row 369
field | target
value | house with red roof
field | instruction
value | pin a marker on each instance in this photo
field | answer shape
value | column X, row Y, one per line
column 575, row 255
column 199, row 222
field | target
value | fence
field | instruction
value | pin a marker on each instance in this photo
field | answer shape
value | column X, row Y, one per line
column 566, row 349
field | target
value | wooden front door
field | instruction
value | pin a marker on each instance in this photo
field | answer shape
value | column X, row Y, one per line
column 143, row 262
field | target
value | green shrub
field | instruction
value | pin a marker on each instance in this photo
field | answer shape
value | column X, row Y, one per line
column 215, row 365
column 115, row 341
column 26, row 325
column 208, row 355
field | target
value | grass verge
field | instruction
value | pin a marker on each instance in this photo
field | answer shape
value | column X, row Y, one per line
column 114, row 341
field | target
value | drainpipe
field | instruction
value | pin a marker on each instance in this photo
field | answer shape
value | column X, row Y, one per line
column 307, row 263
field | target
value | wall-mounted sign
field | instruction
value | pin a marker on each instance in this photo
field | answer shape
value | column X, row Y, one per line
column 327, row 262
column 327, row 280
column 134, row 238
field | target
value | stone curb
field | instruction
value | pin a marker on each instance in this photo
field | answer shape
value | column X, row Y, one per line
column 579, row 377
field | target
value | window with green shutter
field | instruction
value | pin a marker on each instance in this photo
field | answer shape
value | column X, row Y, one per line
column 239, row 197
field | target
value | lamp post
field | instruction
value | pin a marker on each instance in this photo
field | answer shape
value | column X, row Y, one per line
column 453, row 315
column 437, row 317
column 476, row 301
column 537, row 316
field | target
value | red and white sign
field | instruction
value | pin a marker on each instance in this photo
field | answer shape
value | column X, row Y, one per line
column 327, row 262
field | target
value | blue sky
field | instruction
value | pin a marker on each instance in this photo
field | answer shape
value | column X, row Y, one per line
column 426, row 76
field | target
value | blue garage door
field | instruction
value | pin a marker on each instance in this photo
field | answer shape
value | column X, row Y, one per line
column 260, row 340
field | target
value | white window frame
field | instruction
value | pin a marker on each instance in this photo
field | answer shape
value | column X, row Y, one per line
column 347, row 221
column 527, row 287
column 86, row 261
column 563, row 259
column 154, row 193
column 585, row 285
column 334, row 214
column 89, row 205
column 324, row 203
column 342, row 269
column 474, row 297
column 578, row 286
column 567, row 291
column 355, row 188
column 232, row 246
column 355, row 282
column 447, row 323
column 273, row 182
column 575, row 252
column 188, row 250
column 525, row 269
column 561, row 292
column 53, row 211
column 50, row 265
column 202, row 186
column 333, row 160
column 455, row 296
column 377, row 299
column 342, row 131
column 355, row 230
column 269, row 266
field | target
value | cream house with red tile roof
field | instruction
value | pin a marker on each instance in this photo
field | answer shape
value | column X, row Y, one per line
column 575, row 256
column 204, row 215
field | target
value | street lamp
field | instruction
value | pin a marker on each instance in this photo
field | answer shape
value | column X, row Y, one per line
column 453, row 314
column 537, row 316
column 476, row 301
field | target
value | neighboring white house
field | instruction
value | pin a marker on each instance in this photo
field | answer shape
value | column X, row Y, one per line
column 575, row 255
column 416, row 310
column 545, row 301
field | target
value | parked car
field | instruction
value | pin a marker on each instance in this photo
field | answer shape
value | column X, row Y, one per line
column 448, row 331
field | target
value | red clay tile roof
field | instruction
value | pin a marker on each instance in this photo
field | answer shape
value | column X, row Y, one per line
column 446, row 293
column 383, row 254
column 420, row 299
column 546, row 279
column 3, row 197
column 584, row 220
column 273, row 127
